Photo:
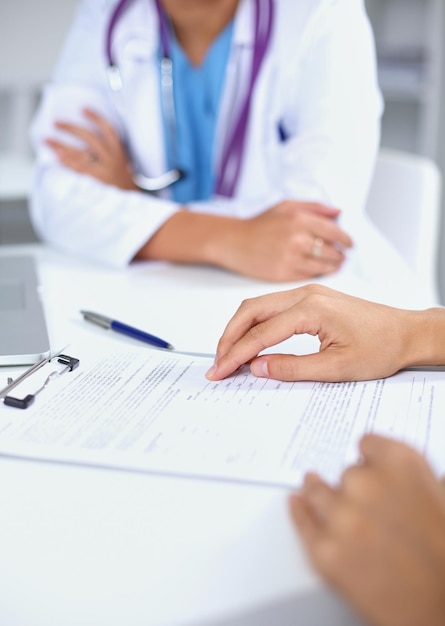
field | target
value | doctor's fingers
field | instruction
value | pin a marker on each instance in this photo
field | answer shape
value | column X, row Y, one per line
column 318, row 254
column 94, row 142
column 326, row 229
column 110, row 136
column 73, row 158
column 314, row 257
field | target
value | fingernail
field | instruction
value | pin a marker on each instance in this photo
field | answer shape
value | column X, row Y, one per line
column 211, row 372
column 260, row 368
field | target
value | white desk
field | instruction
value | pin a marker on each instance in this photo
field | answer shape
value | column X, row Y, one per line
column 91, row 547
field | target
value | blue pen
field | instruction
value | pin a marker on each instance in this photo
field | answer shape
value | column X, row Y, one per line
column 130, row 331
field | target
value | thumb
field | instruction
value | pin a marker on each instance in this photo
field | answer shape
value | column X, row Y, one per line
column 321, row 366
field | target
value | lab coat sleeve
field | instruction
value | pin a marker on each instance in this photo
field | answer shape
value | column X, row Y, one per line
column 334, row 127
column 75, row 212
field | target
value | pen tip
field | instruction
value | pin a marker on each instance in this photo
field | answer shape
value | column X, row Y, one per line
column 170, row 347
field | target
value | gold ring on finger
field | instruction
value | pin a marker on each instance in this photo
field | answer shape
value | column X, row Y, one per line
column 317, row 247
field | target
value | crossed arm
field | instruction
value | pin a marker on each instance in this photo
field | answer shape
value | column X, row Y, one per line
column 277, row 245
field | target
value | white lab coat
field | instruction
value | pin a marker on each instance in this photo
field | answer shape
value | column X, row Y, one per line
column 318, row 79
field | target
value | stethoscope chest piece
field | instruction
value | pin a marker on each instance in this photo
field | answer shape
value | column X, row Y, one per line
column 114, row 77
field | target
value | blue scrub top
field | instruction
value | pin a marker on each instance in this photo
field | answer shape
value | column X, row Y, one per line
column 197, row 95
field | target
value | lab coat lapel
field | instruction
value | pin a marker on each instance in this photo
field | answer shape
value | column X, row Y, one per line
column 136, row 43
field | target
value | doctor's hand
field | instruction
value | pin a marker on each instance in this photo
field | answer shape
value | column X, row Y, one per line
column 378, row 538
column 359, row 340
column 291, row 241
column 103, row 156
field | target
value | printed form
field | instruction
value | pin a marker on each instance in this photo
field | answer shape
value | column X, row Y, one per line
column 154, row 411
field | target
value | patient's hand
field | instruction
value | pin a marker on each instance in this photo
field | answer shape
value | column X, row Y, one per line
column 359, row 340
column 103, row 157
column 379, row 537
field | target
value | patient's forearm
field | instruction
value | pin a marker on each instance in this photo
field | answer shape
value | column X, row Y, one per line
column 425, row 337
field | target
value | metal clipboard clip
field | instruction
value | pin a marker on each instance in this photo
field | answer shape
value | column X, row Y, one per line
column 70, row 364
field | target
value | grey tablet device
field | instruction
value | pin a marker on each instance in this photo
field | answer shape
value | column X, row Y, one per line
column 23, row 332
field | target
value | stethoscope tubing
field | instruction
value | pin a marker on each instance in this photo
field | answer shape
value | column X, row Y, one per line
column 232, row 154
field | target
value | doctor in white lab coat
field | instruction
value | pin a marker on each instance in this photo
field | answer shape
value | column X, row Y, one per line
column 310, row 143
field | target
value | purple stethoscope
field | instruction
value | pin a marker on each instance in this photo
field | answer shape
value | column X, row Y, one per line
column 233, row 150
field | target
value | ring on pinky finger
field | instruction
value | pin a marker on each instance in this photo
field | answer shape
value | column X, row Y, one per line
column 92, row 157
